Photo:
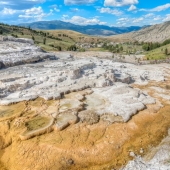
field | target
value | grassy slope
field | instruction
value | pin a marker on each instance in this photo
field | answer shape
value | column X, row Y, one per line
column 158, row 54
column 74, row 37
column 70, row 39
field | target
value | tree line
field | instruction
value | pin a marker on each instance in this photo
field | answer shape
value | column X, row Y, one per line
column 151, row 46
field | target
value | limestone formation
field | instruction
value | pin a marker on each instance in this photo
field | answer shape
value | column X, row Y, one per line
column 71, row 112
column 29, row 133
column 64, row 120
column 17, row 51
column 122, row 100
column 88, row 116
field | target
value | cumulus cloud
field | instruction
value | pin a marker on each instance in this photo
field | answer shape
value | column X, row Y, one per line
column 65, row 16
column 161, row 8
column 157, row 18
column 78, row 2
column 84, row 21
column 4, row 3
column 8, row 11
column 123, row 19
column 74, row 9
column 110, row 11
column 35, row 13
column 121, row 23
column 19, row 4
column 132, row 8
column 137, row 20
column 54, row 8
column 167, row 18
column 119, row 3
column 158, row 8
column 149, row 15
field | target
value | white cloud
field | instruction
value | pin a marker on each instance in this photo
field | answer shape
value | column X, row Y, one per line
column 78, row 2
column 74, row 9
column 123, row 19
column 35, row 13
column 84, row 21
column 119, row 3
column 120, row 24
column 149, row 15
column 137, row 20
column 110, row 11
column 65, row 17
column 53, row 6
column 19, row 4
column 167, row 18
column 157, row 18
column 161, row 8
column 56, row 9
column 132, row 8
column 158, row 8
column 4, row 3
column 8, row 11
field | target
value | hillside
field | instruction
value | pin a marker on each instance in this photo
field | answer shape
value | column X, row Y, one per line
column 52, row 40
column 154, row 33
column 158, row 53
column 88, row 29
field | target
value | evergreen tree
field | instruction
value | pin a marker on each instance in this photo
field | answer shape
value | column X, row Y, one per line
column 166, row 51
column 44, row 41
column 33, row 38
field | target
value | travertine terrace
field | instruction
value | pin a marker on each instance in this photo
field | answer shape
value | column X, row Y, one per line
column 58, row 111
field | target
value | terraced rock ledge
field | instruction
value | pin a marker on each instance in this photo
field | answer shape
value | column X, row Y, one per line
column 82, row 113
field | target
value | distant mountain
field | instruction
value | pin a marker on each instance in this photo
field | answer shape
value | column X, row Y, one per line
column 154, row 33
column 88, row 29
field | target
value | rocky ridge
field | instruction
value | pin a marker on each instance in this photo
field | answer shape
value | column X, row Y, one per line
column 154, row 33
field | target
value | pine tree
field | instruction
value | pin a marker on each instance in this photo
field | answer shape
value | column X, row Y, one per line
column 166, row 51
column 44, row 41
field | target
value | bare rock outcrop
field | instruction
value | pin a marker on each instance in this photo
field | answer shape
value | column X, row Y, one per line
column 18, row 51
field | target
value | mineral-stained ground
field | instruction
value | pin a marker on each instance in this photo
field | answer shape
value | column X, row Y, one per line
column 60, row 112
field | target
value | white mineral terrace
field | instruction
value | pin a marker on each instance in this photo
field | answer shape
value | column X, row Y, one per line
column 52, row 79
column 26, row 73
column 21, row 51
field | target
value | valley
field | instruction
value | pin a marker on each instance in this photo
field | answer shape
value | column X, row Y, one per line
column 73, row 101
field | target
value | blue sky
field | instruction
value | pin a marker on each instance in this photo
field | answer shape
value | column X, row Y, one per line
column 86, row 12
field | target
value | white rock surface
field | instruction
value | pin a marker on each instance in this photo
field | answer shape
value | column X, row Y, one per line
column 17, row 51
column 49, row 79
column 122, row 100
column 160, row 161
